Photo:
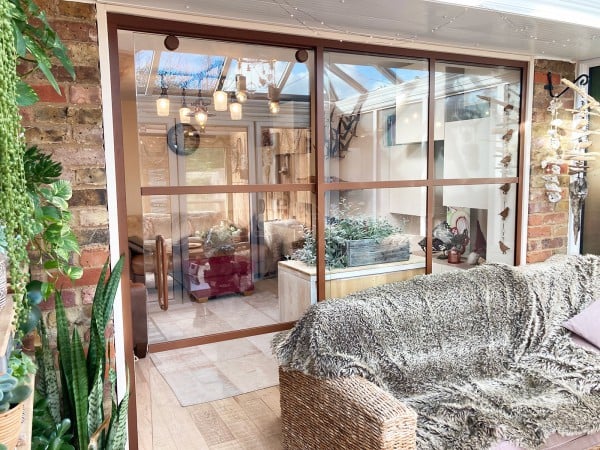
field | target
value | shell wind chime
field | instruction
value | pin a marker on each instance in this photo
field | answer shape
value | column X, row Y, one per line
column 568, row 148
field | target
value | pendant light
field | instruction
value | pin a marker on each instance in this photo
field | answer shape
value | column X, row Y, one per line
column 241, row 94
column 235, row 110
column 162, row 102
column 184, row 111
column 201, row 116
column 273, row 99
column 220, row 100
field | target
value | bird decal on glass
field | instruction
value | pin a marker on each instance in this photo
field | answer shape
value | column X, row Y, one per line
column 508, row 135
column 503, row 247
column 504, row 213
column 505, row 188
column 506, row 160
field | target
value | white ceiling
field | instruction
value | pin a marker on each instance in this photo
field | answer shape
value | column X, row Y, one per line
column 568, row 30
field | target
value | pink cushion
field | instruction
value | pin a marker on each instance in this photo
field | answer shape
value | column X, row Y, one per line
column 586, row 324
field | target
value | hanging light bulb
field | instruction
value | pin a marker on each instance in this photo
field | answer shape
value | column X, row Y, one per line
column 184, row 111
column 273, row 99
column 235, row 111
column 201, row 116
column 241, row 94
column 220, row 100
column 162, row 102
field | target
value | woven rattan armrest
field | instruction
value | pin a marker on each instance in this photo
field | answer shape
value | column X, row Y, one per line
column 342, row 413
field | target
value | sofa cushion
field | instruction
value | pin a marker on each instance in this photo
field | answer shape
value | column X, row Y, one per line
column 585, row 324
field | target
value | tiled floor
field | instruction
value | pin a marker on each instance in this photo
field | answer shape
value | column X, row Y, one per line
column 186, row 319
column 209, row 372
column 246, row 421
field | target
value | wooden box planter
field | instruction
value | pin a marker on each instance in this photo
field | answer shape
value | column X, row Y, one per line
column 363, row 252
column 297, row 282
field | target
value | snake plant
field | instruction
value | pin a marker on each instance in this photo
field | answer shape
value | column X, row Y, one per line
column 81, row 398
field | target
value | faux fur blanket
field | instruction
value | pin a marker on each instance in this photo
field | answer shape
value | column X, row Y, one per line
column 480, row 354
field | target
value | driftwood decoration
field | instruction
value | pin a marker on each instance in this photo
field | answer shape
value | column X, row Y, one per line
column 341, row 135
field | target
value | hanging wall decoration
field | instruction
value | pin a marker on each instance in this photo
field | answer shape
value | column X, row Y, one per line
column 571, row 143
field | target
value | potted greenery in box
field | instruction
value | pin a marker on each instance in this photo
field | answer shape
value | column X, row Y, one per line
column 345, row 231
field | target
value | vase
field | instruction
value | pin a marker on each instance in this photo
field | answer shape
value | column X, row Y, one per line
column 10, row 425
column 3, row 287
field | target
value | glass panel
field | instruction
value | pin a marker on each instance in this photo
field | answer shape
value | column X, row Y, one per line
column 474, row 224
column 477, row 121
column 372, row 237
column 192, row 139
column 218, row 247
column 376, row 130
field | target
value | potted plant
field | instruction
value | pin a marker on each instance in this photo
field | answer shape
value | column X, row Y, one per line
column 79, row 397
column 219, row 240
column 346, row 232
column 15, row 388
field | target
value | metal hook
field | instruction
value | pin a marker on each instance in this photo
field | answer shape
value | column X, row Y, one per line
column 582, row 79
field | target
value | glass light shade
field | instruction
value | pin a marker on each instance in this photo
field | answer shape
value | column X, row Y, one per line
column 274, row 107
column 241, row 94
column 235, row 111
column 201, row 117
column 163, row 106
column 220, row 100
column 184, row 114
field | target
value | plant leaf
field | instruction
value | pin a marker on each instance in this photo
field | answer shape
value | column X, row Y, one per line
column 47, row 374
column 95, row 401
column 63, row 342
column 26, row 96
column 79, row 385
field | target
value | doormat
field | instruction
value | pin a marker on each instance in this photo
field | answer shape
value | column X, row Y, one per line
column 210, row 372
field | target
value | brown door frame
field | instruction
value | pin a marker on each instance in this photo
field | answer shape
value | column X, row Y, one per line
column 117, row 21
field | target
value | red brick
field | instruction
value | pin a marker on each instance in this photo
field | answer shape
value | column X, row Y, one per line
column 535, row 219
column 75, row 31
column 541, row 231
column 46, row 93
column 90, row 278
column 85, row 95
column 93, row 257
column 69, row 299
column 556, row 218
column 538, row 256
column 553, row 243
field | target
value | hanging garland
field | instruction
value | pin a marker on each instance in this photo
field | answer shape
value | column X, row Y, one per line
column 15, row 205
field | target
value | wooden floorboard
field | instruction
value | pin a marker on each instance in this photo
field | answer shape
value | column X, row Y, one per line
column 249, row 421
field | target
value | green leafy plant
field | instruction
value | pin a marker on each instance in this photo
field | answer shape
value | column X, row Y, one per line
column 36, row 43
column 219, row 241
column 53, row 238
column 15, row 384
column 80, row 394
column 344, row 226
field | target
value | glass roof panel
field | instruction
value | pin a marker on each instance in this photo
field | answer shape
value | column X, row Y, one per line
column 342, row 89
column 259, row 74
column 368, row 76
column 143, row 69
column 188, row 70
column 298, row 81
column 405, row 75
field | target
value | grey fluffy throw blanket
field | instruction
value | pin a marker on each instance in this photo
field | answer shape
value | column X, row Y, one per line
column 480, row 354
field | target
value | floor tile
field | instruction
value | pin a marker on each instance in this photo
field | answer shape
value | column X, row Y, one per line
column 250, row 372
column 200, row 385
column 263, row 342
column 223, row 351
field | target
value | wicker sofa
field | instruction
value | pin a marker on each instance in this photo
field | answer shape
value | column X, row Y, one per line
column 350, row 412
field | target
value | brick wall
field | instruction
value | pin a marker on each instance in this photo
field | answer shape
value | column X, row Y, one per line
column 547, row 230
column 69, row 126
